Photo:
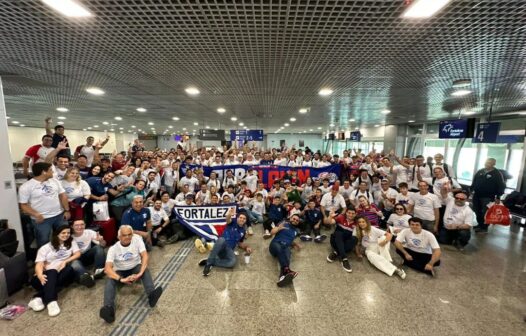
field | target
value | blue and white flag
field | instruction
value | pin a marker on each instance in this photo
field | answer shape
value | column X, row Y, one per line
column 206, row 221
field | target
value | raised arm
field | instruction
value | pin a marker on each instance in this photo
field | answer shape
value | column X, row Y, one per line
column 47, row 125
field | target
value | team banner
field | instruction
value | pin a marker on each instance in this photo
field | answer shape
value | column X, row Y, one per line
column 207, row 221
column 268, row 174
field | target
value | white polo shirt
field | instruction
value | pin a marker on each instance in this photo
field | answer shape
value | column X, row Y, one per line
column 333, row 203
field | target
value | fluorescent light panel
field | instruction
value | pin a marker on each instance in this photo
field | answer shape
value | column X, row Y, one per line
column 420, row 9
column 68, row 8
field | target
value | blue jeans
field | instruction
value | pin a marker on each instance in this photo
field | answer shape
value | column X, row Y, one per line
column 44, row 229
column 95, row 255
column 254, row 216
column 281, row 251
column 221, row 255
column 110, row 290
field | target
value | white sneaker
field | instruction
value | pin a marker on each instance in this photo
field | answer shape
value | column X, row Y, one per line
column 400, row 272
column 267, row 235
column 36, row 304
column 250, row 231
column 53, row 309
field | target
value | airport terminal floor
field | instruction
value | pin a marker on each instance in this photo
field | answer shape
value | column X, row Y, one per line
column 476, row 292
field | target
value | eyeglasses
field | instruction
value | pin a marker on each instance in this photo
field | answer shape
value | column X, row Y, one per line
column 399, row 208
column 460, row 198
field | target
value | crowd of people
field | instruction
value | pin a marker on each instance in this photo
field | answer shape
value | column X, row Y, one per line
column 378, row 199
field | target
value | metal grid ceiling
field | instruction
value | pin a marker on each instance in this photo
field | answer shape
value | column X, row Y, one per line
column 262, row 61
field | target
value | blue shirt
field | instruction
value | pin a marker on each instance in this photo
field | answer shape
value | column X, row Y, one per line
column 97, row 187
column 287, row 235
column 313, row 216
column 276, row 213
column 233, row 234
column 137, row 220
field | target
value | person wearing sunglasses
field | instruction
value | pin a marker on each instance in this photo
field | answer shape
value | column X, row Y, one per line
column 398, row 220
column 458, row 220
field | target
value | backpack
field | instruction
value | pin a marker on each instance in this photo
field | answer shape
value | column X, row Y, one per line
column 8, row 242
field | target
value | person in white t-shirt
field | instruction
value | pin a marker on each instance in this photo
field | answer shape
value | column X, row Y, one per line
column 361, row 191
column 346, row 190
column 457, row 222
column 91, row 245
column 331, row 205
column 281, row 160
column 425, row 206
column 53, row 270
column 252, row 179
column 398, row 220
column 77, row 191
column 376, row 243
column 44, row 199
column 257, row 209
column 418, row 248
column 403, row 194
column 126, row 263
column 189, row 180
column 161, row 225
column 386, row 198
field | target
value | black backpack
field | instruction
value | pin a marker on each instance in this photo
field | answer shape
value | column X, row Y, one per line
column 8, row 242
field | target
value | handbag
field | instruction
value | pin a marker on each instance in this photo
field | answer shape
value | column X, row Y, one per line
column 101, row 211
column 497, row 214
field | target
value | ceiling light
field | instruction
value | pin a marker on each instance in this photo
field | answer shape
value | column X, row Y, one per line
column 90, row 127
column 121, row 128
column 192, row 91
column 62, row 109
column 215, row 129
column 331, row 125
column 386, row 111
column 170, row 126
column 184, row 128
column 325, row 92
column 175, row 118
column 460, row 93
column 469, row 113
column 105, row 123
column 424, row 8
column 68, row 8
column 141, row 109
column 293, row 119
column 376, row 125
column 411, row 121
column 15, row 122
column 351, row 120
column 207, row 127
column 61, row 118
column 95, row 91
column 118, row 118
column 7, row 117
column 151, row 123
column 241, row 124
column 221, row 110
column 286, row 124
column 132, row 126
column 461, row 83
column 233, row 118
column 153, row 128
column 357, row 128
column 303, row 110
column 319, row 128
column 96, row 126
column 245, row 127
column 194, row 131
column 112, row 129
column 196, row 124
column 60, row 122
column 311, row 130
column 22, row 125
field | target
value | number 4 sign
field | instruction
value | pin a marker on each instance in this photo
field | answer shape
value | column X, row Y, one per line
column 486, row 132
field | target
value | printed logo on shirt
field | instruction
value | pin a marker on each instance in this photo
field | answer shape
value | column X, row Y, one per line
column 144, row 216
column 47, row 190
column 454, row 211
column 422, row 201
column 126, row 256
column 62, row 253
column 416, row 242
column 69, row 190
column 401, row 222
column 80, row 244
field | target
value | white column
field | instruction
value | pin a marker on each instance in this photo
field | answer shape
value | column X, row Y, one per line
column 9, row 203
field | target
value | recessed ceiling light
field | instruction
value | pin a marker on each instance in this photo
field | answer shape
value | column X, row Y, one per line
column 424, row 8
column 152, row 128
column 118, row 118
column 170, row 126
column 293, row 119
column 460, row 93
column 303, row 110
column 84, row 129
column 62, row 109
column 184, row 128
column 221, row 110
column 331, row 125
column 357, row 128
column 61, row 118
column 121, row 128
column 411, row 121
column 7, row 117
column 351, row 120
column 193, row 91
column 151, row 123
column 376, row 125
column 233, row 118
column 194, row 131
column 22, row 125
column 461, row 83
column 96, row 126
column 112, row 129
column 325, row 92
column 15, row 122
column 215, row 129
column 60, row 122
column 245, row 127
column 132, row 126
column 196, row 124
column 207, row 127
column 90, row 127
column 68, row 8
column 469, row 112
column 95, row 91
column 175, row 118
column 386, row 111
column 105, row 123
column 141, row 109
column 241, row 124
column 319, row 128
column 311, row 130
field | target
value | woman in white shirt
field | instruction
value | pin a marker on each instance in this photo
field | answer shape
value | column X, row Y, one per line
column 307, row 189
column 53, row 270
column 398, row 220
column 91, row 245
column 213, row 181
column 171, row 178
column 78, row 192
column 376, row 243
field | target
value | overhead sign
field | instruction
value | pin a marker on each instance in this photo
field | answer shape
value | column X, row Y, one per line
column 356, row 136
column 208, row 134
column 246, row 135
column 455, row 129
column 487, row 132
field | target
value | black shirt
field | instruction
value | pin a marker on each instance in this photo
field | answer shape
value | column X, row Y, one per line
column 488, row 183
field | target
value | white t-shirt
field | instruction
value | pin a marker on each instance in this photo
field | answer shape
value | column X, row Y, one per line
column 355, row 196
column 43, row 197
column 263, row 192
column 168, row 206
column 322, row 164
column 53, row 258
column 126, row 257
column 216, row 183
column 332, row 203
column 157, row 216
column 192, row 182
column 369, row 168
column 424, row 205
column 58, row 173
column 403, row 174
column 89, row 152
column 325, row 189
column 372, row 237
column 391, row 194
column 398, row 222
column 252, row 182
column 76, row 189
column 346, row 193
column 307, row 163
column 258, row 207
column 404, row 199
column 84, row 240
column 170, row 176
column 229, row 180
column 424, row 242
column 439, row 184
column 280, row 162
column 202, row 196
column 455, row 215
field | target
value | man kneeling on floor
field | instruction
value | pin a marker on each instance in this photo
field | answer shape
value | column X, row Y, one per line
column 127, row 262
column 222, row 254
column 284, row 235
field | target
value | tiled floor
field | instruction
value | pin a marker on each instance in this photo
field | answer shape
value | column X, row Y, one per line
column 478, row 292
